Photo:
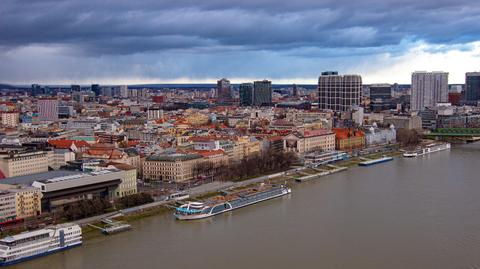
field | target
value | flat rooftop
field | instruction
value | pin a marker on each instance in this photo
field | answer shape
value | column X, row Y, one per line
column 54, row 176
column 29, row 179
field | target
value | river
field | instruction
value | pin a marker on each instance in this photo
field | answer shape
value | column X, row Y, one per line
column 408, row 213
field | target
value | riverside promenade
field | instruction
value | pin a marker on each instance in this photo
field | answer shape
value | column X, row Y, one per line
column 195, row 191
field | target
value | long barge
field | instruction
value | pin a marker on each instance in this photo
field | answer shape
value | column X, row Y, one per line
column 231, row 201
column 376, row 161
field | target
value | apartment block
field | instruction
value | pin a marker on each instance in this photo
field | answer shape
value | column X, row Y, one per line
column 25, row 163
column 177, row 167
column 310, row 140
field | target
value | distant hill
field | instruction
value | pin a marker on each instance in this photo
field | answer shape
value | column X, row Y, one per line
column 7, row 86
column 207, row 86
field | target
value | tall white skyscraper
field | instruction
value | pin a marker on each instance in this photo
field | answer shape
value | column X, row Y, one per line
column 428, row 89
column 124, row 91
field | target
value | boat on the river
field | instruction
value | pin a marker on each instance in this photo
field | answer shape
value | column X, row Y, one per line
column 30, row 245
column 430, row 148
column 116, row 228
column 376, row 161
column 230, row 201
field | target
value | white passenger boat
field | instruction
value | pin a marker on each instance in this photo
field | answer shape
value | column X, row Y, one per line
column 430, row 148
column 229, row 202
column 29, row 245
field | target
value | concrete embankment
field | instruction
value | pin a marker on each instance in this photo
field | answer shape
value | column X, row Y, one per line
column 322, row 172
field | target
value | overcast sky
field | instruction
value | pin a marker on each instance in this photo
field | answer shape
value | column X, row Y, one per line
column 287, row 41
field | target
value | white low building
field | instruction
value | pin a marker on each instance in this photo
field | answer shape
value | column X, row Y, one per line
column 377, row 136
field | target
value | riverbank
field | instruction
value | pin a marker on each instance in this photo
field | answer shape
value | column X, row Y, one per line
column 211, row 189
column 90, row 232
column 199, row 192
column 359, row 214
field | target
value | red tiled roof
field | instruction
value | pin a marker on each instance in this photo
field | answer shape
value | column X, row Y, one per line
column 343, row 133
column 102, row 146
column 66, row 144
column 111, row 153
column 275, row 138
column 132, row 143
column 318, row 132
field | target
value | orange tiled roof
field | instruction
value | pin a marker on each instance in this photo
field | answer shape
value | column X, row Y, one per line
column 318, row 132
column 102, row 146
column 275, row 138
column 66, row 144
column 344, row 133
column 111, row 153
column 132, row 143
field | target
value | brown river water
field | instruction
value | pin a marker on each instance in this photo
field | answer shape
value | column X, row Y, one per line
column 408, row 213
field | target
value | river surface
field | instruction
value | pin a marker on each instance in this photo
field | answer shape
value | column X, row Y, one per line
column 409, row 213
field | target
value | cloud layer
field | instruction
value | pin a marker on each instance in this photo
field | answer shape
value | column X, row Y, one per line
column 156, row 41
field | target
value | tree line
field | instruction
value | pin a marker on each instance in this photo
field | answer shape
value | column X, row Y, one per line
column 97, row 206
column 256, row 165
column 134, row 200
column 85, row 208
column 408, row 137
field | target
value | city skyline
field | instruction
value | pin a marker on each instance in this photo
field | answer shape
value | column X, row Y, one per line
column 241, row 134
column 73, row 42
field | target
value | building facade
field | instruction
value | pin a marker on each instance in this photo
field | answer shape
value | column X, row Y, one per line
column 380, row 97
column 95, row 88
column 224, row 94
column 377, row 136
column 310, row 140
column 339, row 93
column 472, row 87
column 262, row 93
column 177, row 167
column 25, row 163
column 154, row 113
column 128, row 184
column 404, row 122
column 61, row 157
column 48, row 109
column 58, row 191
column 10, row 118
column 246, row 94
column 428, row 89
column 17, row 202
column 8, row 209
column 27, row 202
column 348, row 139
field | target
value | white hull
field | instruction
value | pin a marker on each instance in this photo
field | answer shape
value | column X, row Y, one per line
column 427, row 150
column 202, row 216
column 29, row 245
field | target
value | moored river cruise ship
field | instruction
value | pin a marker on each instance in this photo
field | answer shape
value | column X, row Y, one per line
column 430, row 148
column 30, row 245
column 230, row 201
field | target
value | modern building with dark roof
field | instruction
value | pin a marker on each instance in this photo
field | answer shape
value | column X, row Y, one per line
column 58, row 189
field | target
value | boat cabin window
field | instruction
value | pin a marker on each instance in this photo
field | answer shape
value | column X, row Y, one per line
column 220, row 208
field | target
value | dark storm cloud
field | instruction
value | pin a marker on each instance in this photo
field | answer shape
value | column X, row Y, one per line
column 128, row 27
